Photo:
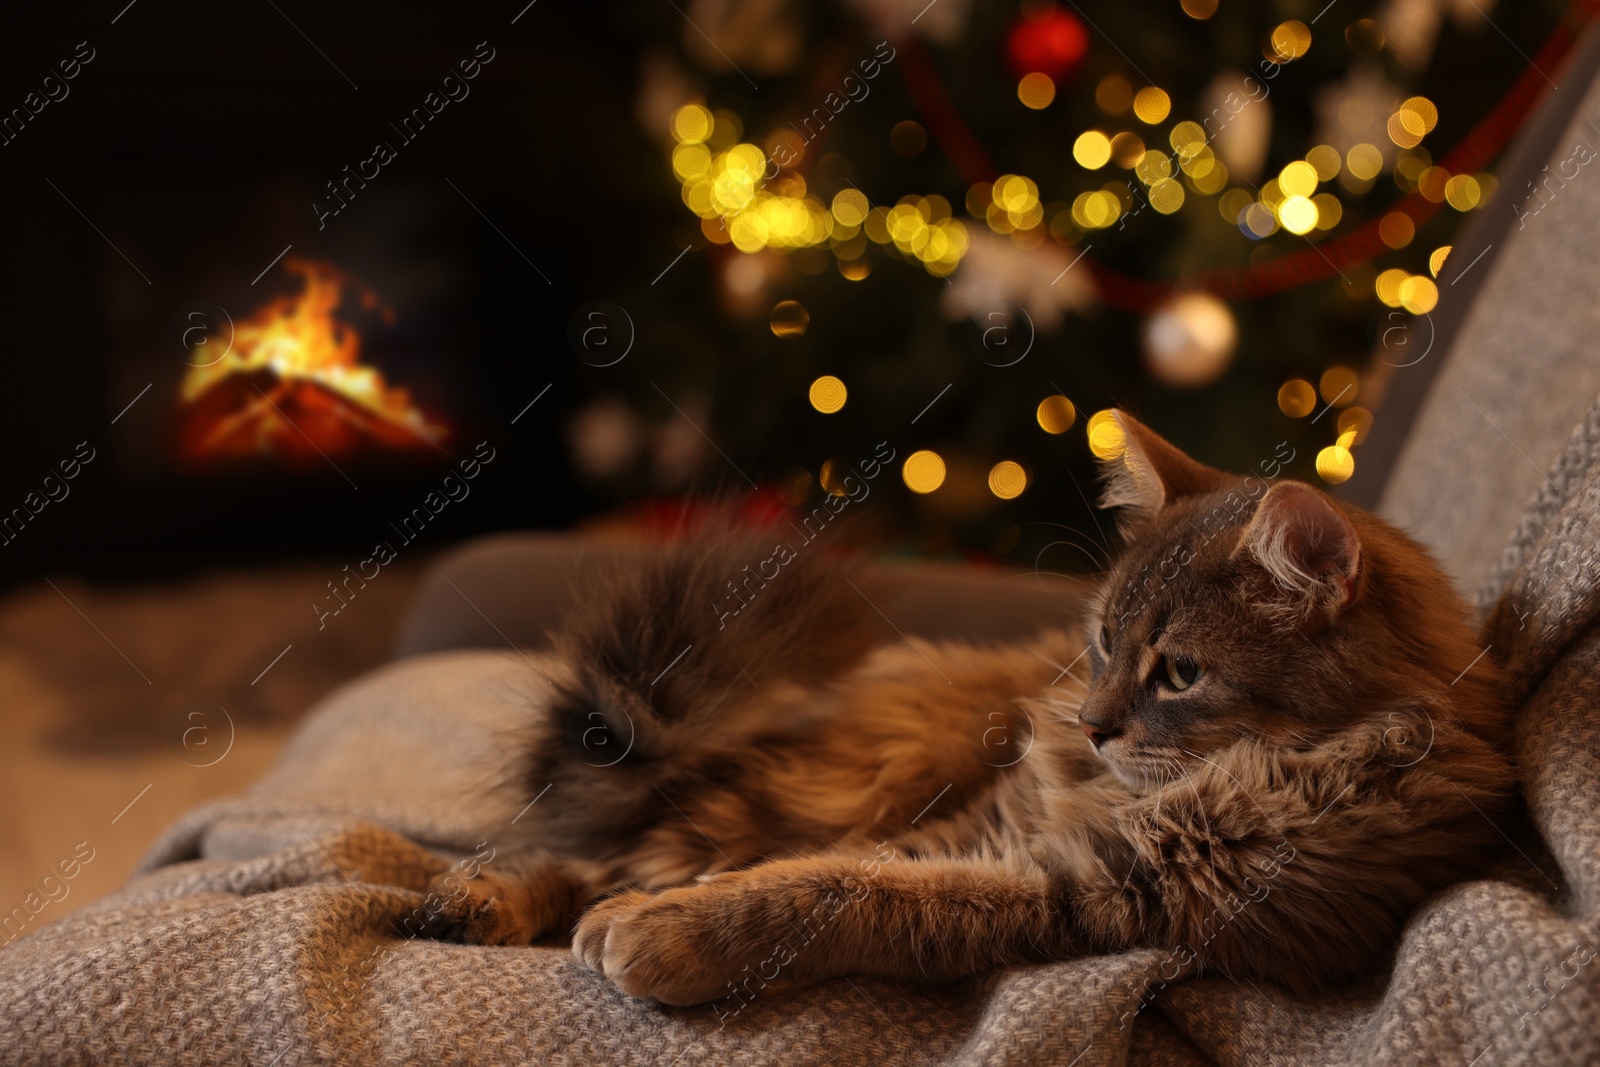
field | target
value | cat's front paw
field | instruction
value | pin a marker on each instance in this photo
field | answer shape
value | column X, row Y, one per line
column 654, row 947
column 477, row 911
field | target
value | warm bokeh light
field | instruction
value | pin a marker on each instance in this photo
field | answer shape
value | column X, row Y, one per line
column 1418, row 294
column 1232, row 204
column 1463, row 192
column 1113, row 95
column 1364, row 36
column 1290, row 40
column 1329, row 210
column 1396, row 229
column 850, row 207
column 923, row 471
column 790, row 318
column 1199, row 9
column 828, row 394
column 1326, row 161
column 1364, row 161
column 1297, row 398
column 1007, row 479
column 1151, row 105
column 1166, row 196
column 743, row 201
column 1354, row 421
column 691, row 124
column 1106, row 439
column 1298, row 215
column 908, row 139
column 1126, row 149
column 1092, row 149
column 1335, row 464
column 1036, row 90
column 1388, row 285
column 1436, row 260
column 1298, row 179
column 1338, row 386
column 1056, row 414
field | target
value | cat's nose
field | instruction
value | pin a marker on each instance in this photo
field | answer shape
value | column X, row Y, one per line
column 1097, row 733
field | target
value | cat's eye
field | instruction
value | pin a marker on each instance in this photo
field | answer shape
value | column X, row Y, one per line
column 1182, row 673
column 1105, row 638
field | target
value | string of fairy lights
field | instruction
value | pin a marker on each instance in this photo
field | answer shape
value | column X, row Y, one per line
column 744, row 200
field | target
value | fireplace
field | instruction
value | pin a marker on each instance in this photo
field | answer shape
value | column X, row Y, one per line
column 259, row 376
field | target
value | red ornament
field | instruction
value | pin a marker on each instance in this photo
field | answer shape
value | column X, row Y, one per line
column 1051, row 42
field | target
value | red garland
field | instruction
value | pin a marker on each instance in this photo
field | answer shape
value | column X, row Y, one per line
column 1294, row 269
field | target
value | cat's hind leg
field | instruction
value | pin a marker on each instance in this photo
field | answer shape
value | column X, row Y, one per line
column 521, row 898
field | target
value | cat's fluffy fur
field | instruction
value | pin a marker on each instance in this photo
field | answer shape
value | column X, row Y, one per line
column 784, row 801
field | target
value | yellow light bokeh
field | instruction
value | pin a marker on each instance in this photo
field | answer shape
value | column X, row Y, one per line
column 830, row 477
column 1298, row 215
column 1297, row 398
column 1036, row 90
column 923, row 471
column 1290, row 40
column 1396, row 229
column 691, row 124
column 691, row 161
column 1338, row 386
column 1335, row 464
column 1364, row 161
column 726, row 184
column 1233, row 203
column 1356, row 422
column 1387, row 286
column 1329, row 210
column 1007, row 479
column 1056, row 414
column 1431, row 183
column 1152, row 167
column 1166, row 196
column 1426, row 114
column 850, row 207
column 789, row 317
column 1406, row 129
column 1213, row 180
column 1113, row 95
column 1151, row 105
column 1096, row 210
column 1463, row 192
column 1106, row 439
column 1126, row 149
column 1298, row 179
column 1092, row 149
column 828, row 394
column 1436, row 260
column 1326, row 161
column 1186, row 133
column 1418, row 294
column 1199, row 9
column 1259, row 220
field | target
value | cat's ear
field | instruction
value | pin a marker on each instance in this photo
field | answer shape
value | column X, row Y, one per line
column 1143, row 473
column 1306, row 545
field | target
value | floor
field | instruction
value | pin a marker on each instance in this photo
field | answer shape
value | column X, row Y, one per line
column 124, row 708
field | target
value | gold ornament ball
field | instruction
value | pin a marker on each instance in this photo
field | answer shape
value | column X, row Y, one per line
column 1189, row 342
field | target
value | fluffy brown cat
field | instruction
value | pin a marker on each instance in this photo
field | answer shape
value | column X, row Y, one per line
column 1291, row 736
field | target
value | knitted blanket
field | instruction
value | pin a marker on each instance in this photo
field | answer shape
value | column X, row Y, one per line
column 272, row 928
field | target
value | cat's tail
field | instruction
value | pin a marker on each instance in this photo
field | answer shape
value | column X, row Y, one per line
column 671, row 665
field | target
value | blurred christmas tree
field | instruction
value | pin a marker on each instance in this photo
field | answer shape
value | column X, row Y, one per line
column 962, row 228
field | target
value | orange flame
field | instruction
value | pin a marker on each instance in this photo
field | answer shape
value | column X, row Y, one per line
column 293, row 378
